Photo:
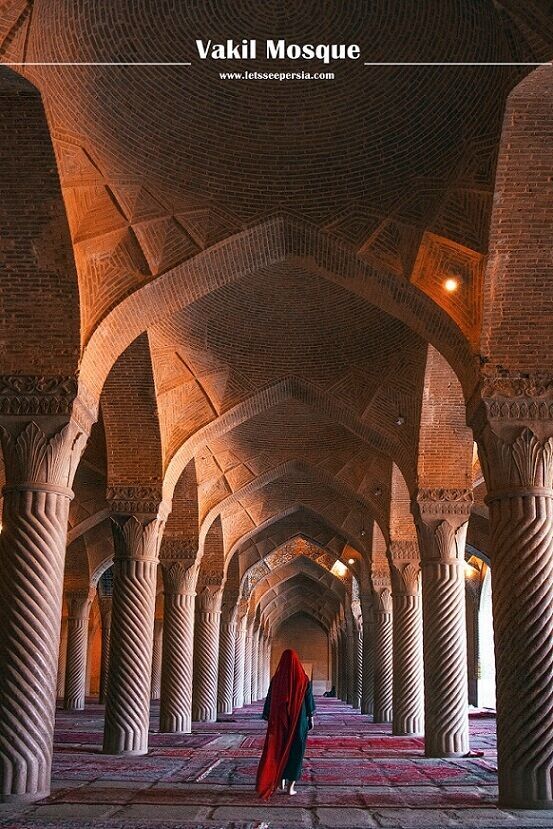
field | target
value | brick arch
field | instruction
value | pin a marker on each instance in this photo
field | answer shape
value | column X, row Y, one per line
column 183, row 522
column 292, row 510
column 288, row 389
column 212, row 560
column 402, row 524
column 39, row 295
column 445, row 445
column 293, row 469
column 301, row 549
column 131, row 423
column 519, row 271
column 276, row 240
column 316, row 570
column 277, row 598
column 299, row 612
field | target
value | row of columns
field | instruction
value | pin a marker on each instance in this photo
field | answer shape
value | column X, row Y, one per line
column 517, row 455
column 413, row 666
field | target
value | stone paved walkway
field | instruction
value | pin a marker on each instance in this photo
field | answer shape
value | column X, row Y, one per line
column 356, row 775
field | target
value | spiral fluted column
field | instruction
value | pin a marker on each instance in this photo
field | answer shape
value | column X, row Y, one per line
column 383, row 654
column 227, row 656
column 62, row 658
column 179, row 585
column 239, row 660
column 157, row 655
column 358, row 679
column 105, row 616
column 342, row 665
column 40, row 462
column 408, row 684
column 263, row 665
column 206, row 654
column 127, row 715
column 77, row 648
column 367, row 685
column 248, row 665
column 519, row 473
column 255, row 662
column 442, row 526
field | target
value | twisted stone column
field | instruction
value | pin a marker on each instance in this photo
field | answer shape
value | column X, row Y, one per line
column 62, row 659
column 40, row 462
column 179, row 585
column 206, row 653
column 342, row 666
column 518, row 466
column 105, row 616
column 351, row 662
column 408, row 673
column 227, row 656
column 127, row 716
column 367, row 685
column 442, row 526
column 255, row 663
column 157, row 653
column 383, row 651
column 358, row 647
column 248, row 665
column 77, row 647
column 262, row 665
column 239, row 661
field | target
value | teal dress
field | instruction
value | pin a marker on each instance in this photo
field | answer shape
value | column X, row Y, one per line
column 292, row 770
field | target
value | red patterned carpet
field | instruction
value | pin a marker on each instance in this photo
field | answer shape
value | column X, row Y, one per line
column 355, row 775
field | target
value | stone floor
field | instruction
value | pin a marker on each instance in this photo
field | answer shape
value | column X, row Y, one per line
column 355, row 775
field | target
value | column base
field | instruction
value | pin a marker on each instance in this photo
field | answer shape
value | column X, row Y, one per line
column 444, row 754
column 125, row 752
column 26, row 797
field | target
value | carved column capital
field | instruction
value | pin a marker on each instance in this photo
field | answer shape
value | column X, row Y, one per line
column 105, row 603
column 179, row 577
column 137, row 538
column 405, row 577
column 506, row 400
column 521, row 465
column 39, row 457
column 78, row 603
column 209, row 598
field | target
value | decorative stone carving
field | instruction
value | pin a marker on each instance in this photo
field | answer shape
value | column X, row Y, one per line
column 127, row 716
column 179, row 581
column 178, row 549
column 40, row 461
column 77, row 645
column 26, row 394
column 441, row 502
column 134, row 500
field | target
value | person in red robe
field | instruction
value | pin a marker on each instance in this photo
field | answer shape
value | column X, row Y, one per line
column 289, row 709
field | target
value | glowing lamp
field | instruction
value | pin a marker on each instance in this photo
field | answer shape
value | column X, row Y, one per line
column 451, row 284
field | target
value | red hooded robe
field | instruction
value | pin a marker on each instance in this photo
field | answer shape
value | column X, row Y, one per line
column 288, row 689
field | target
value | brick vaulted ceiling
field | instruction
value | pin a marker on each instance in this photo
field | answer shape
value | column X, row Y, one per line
column 395, row 164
